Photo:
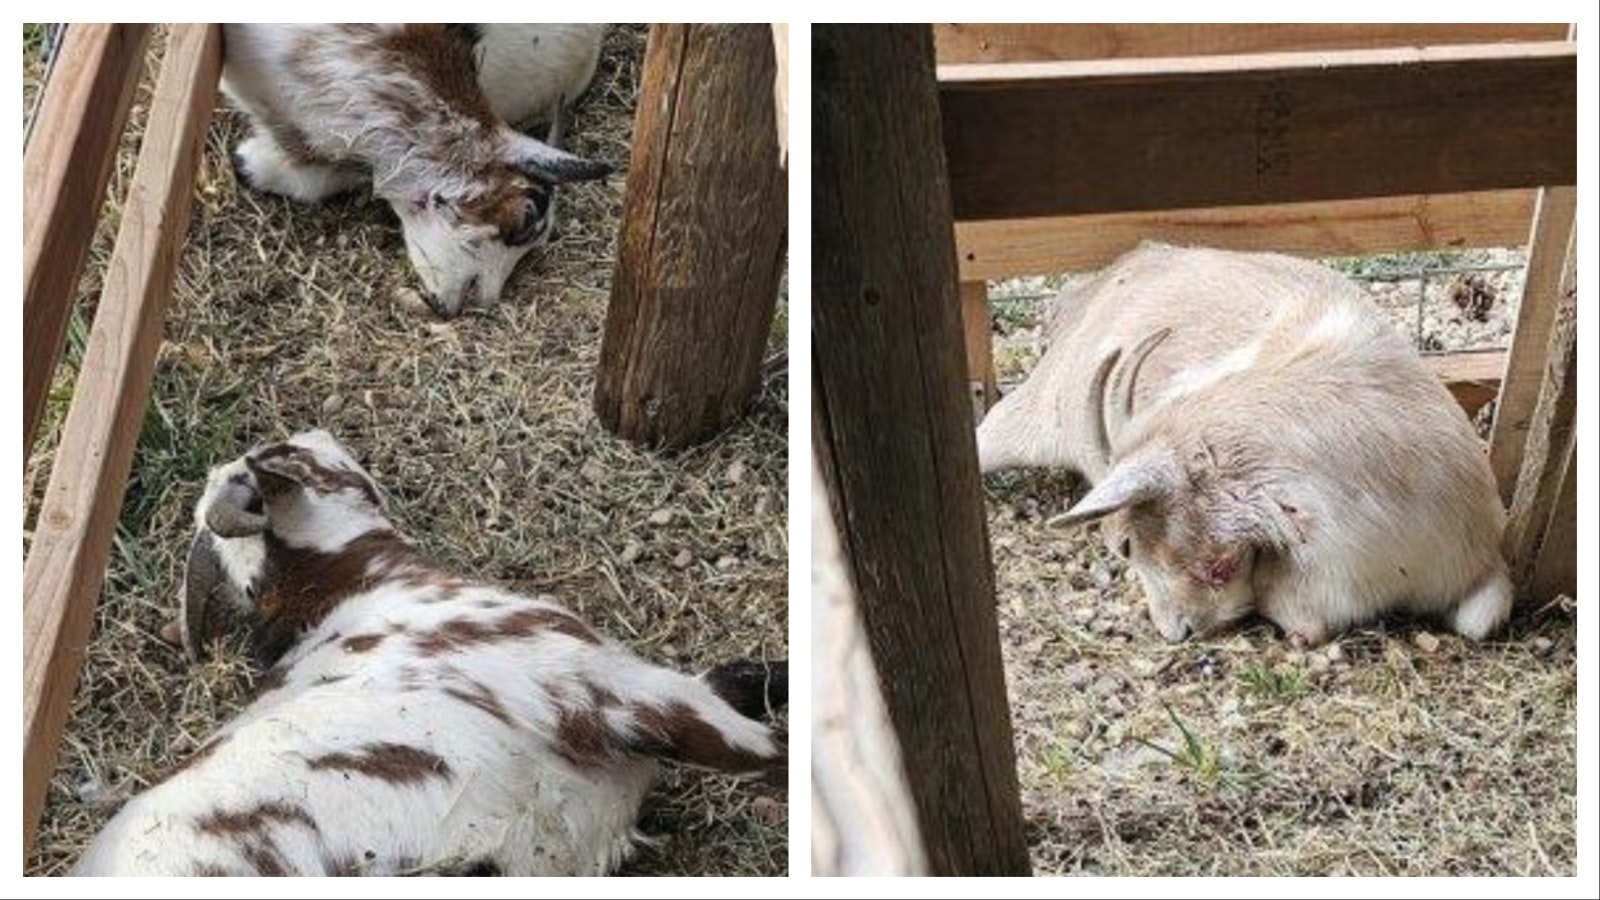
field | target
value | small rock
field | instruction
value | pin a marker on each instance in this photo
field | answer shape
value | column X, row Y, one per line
column 683, row 559
column 1144, row 667
column 332, row 404
column 661, row 517
column 670, row 651
column 1083, row 615
column 411, row 301
column 727, row 563
column 1426, row 642
column 1335, row 652
column 592, row 471
column 1319, row 662
column 631, row 552
column 1105, row 686
column 763, row 503
column 1034, row 645
column 736, row 472
column 1077, row 674
column 1543, row 646
column 769, row 810
column 1101, row 574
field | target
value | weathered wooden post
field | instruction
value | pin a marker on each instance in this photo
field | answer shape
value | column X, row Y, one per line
column 702, row 245
column 894, row 437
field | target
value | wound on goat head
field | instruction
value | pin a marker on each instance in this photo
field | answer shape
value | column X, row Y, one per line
column 1217, row 571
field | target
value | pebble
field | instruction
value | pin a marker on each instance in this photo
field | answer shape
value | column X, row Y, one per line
column 736, row 472
column 1335, row 652
column 769, row 810
column 410, row 300
column 1426, row 642
column 1319, row 662
column 631, row 552
column 1077, row 674
column 661, row 517
column 1543, row 645
column 762, row 505
column 1105, row 686
column 727, row 563
column 683, row 559
column 333, row 403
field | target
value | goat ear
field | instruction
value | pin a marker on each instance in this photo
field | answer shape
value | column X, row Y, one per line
column 279, row 475
column 1278, row 521
column 207, row 594
column 236, row 511
column 1129, row 484
column 535, row 158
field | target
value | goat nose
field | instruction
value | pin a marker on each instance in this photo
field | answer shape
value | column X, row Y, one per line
column 439, row 307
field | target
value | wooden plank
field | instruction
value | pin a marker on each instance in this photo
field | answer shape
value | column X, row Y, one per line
column 862, row 818
column 1051, row 139
column 64, row 171
column 1555, row 572
column 1550, row 434
column 1547, row 252
column 1006, row 42
column 780, row 87
column 979, row 340
column 67, row 562
column 1471, row 376
column 1010, row 247
column 701, row 251
column 894, row 437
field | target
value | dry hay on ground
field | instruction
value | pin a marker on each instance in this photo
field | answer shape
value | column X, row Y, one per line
column 482, row 434
column 1400, row 749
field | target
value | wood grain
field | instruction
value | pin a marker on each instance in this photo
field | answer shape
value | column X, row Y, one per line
column 894, row 437
column 1556, row 570
column 1049, row 139
column 862, row 818
column 979, row 340
column 64, row 172
column 702, row 245
column 1541, row 289
column 1007, row 248
column 1550, row 435
column 1005, row 42
column 67, row 562
column 1471, row 376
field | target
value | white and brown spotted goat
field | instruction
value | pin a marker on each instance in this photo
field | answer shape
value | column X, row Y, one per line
column 413, row 719
column 1266, row 442
column 421, row 113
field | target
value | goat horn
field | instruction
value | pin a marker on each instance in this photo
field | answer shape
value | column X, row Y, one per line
column 228, row 517
column 1097, row 402
column 1119, row 406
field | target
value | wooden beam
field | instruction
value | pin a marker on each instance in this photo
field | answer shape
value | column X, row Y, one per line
column 1550, row 435
column 1051, row 139
column 862, row 818
column 64, row 171
column 1471, row 376
column 701, row 251
column 1555, row 571
column 1004, row 43
column 780, row 87
column 979, row 339
column 1010, row 247
column 67, row 562
column 893, row 433
column 1541, row 289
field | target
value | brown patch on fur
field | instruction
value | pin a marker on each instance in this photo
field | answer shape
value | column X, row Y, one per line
column 210, row 870
column 478, row 694
column 300, row 586
column 677, row 732
column 361, row 643
column 255, row 820
column 443, row 62
column 507, row 205
column 460, row 634
column 582, row 737
column 346, row 866
column 385, row 761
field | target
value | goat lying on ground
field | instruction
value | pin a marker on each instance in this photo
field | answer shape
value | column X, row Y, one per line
column 1266, row 442
column 413, row 718
column 420, row 112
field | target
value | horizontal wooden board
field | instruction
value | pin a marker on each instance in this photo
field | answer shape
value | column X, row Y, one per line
column 1050, row 139
column 1472, row 376
column 1009, row 247
column 1009, row 42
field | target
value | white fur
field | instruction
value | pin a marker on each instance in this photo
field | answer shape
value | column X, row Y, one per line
column 511, row 797
column 1293, row 433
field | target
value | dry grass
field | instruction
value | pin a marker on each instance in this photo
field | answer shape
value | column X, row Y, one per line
column 1399, row 750
column 480, row 430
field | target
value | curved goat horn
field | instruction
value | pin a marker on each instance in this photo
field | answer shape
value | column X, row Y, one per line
column 1117, row 408
column 1097, row 403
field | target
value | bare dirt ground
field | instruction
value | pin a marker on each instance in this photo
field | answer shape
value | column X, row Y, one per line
column 1400, row 749
column 480, row 430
